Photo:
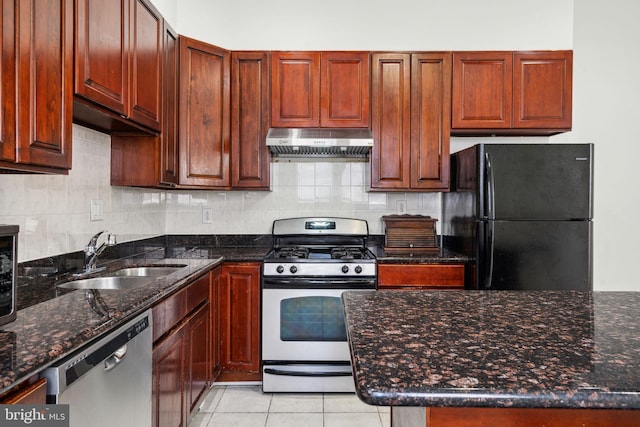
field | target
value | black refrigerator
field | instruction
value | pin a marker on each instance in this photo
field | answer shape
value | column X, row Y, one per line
column 523, row 213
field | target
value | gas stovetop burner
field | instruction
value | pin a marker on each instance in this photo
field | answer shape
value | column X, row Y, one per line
column 346, row 253
column 292, row 253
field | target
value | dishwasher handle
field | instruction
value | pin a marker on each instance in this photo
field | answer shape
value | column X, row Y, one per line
column 115, row 359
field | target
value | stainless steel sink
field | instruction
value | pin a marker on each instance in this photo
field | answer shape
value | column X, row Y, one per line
column 111, row 282
column 146, row 271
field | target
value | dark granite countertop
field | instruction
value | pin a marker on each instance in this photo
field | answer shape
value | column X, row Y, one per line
column 544, row 349
column 442, row 256
column 51, row 329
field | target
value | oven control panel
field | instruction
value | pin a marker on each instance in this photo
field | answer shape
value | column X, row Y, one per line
column 320, row 269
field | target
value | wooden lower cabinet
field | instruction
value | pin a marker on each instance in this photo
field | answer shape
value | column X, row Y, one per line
column 198, row 368
column 214, row 297
column 168, row 380
column 32, row 391
column 181, row 353
column 238, row 308
column 526, row 417
column 423, row 276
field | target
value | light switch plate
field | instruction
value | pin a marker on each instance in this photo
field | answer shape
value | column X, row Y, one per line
column 401, row 207
column 97, row 210
column 207, row 215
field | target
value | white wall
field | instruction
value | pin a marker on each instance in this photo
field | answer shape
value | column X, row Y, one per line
column 379, row 24
column 606, row 112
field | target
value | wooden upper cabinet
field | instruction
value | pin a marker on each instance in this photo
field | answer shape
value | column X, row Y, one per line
column 390, row 121
column 146, row 41
column 512, row 92
column 169, row 155
column 320, row 89
column 542, row 89
column 7, row 84
column 102, row 52
column 295, row 89
column 410, row 121
column 37, row 94
column 118, row 57
column 250, row 120
column 345, row 89
column 430, row 120
column 482, row 90
column 204, row 114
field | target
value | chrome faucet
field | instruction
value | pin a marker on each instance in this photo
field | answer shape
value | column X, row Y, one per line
column 91, row 252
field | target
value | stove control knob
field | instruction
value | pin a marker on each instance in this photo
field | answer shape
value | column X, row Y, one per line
column 280, row 269
column 358, row 269
column 293, row 269
column 345, row 269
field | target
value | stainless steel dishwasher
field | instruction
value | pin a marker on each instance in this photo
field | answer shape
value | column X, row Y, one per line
column 107, row 383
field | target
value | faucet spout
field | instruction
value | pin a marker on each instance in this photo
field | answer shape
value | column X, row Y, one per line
column 91, row 251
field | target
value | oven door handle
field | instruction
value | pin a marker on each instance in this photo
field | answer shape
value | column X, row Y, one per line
column 315, row 283
column 288, row 373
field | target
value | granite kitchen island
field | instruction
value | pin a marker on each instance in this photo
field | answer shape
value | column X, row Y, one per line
column 497, row 358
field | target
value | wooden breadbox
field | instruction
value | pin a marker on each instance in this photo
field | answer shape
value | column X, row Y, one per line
column 410, row 234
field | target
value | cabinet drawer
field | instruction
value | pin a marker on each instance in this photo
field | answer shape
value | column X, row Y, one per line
column 421, row 275
column 168, row 313
column 198, row 292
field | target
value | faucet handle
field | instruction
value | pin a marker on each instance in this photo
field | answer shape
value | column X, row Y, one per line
column 111, row 240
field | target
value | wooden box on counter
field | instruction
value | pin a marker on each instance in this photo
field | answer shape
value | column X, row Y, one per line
column 409, row 234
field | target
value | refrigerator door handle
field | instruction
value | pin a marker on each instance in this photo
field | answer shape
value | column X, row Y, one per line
column 490, row 190
column 489, row 254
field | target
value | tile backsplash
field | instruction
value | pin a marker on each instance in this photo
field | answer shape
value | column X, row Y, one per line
column 53, row 212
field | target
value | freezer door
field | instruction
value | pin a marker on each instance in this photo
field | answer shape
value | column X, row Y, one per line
column 535, row 181
column 534, row 255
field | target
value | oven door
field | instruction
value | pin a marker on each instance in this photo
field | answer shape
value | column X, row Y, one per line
column 304, row 342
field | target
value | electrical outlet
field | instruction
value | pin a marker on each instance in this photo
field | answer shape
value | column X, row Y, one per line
column 207, row 215
column 97, row 210
column 401, row 207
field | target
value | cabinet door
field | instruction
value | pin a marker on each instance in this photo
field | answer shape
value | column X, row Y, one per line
column 542, row 89
column 102, row 52
column 44, row 82
column 250, row 120
column 239, row 310
column 169, row 147
column 214, row 298
column 204, row 114
column 198, row 366
column 32, row 391
column 146, row 34
column 390, row 121
column 295, row 89
column 169, row 380
column 430, row 120
column 344, row 89
column 7, row 83
column 482, row 90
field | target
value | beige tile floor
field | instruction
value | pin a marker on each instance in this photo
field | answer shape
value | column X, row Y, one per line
column 248, row 406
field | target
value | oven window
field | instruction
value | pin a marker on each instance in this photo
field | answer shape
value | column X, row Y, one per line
column 314, row 318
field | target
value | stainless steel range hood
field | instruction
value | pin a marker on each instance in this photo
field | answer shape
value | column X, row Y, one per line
column 320, row 143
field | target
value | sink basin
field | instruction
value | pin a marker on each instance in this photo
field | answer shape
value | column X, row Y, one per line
column 115, row 282
column 151, row 270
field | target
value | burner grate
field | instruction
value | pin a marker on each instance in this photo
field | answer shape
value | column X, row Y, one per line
column 293, row 253
column 346, row 253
